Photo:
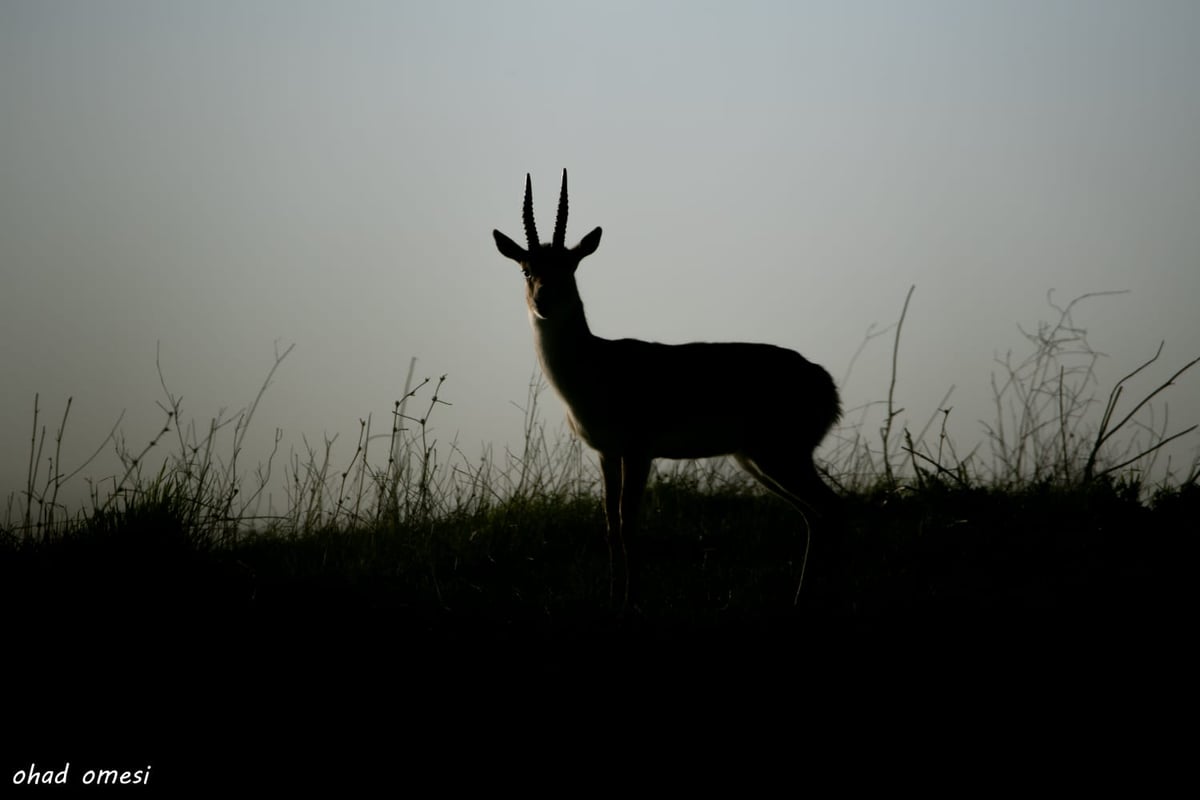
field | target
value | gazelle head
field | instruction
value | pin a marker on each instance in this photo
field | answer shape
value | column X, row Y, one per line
column 549, row 269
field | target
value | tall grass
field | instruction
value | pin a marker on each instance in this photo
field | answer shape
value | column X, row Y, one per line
column 1052, row 425
column 1051, row 512
column 1045, row 427
column 412, row 573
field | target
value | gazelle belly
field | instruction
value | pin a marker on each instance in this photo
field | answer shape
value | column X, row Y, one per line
column 660, row 436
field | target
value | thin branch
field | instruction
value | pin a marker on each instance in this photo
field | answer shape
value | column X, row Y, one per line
column 1105, row 433
column 1148, row 451
column 887, row 427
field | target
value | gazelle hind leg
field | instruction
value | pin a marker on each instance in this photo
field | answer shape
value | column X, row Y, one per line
column 793, row 476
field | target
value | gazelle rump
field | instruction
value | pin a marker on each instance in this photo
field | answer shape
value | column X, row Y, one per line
column 634, row 401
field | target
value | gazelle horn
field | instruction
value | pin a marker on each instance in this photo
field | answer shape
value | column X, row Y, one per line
column 531, row 234
column 560, row 223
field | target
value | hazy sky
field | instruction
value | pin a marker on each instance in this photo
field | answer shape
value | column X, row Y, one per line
column 214, row 178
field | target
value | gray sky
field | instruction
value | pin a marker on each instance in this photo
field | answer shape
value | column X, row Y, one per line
column 217, row 177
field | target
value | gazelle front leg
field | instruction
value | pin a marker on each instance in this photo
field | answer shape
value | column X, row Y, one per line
column 634, row 472
column 610, row 467
column 624, row 484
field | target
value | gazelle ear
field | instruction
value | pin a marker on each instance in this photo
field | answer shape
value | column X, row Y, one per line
column 588, row 244
column 508, row 248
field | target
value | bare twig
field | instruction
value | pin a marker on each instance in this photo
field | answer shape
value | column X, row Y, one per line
column 891, row 412
column 1105, row 432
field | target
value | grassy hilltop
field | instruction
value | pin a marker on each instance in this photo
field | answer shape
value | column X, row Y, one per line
column 1044, row 564
column 1054, row 518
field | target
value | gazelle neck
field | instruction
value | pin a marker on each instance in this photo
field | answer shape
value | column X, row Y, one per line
column 568, row 322
column 563, row 345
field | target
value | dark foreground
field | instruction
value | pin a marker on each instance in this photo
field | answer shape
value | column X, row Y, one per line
column 972, row 624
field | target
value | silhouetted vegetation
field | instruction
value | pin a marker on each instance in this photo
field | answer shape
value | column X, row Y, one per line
column 1052, row 518
column 413, row 559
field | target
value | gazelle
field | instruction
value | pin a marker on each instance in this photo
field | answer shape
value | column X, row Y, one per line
column 634, row 401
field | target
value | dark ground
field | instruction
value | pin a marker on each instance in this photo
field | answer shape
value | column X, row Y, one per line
column 1012, row 628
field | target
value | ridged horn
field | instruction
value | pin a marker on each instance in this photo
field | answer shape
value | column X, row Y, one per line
column 560, row 223
column 531, row 234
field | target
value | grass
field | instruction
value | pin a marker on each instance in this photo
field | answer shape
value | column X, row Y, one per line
column 420, row 529
column 413, row 566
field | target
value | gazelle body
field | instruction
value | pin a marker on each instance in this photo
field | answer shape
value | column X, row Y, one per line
column 634, row 401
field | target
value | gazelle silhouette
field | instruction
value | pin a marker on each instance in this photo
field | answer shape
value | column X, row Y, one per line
column 634, row 401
